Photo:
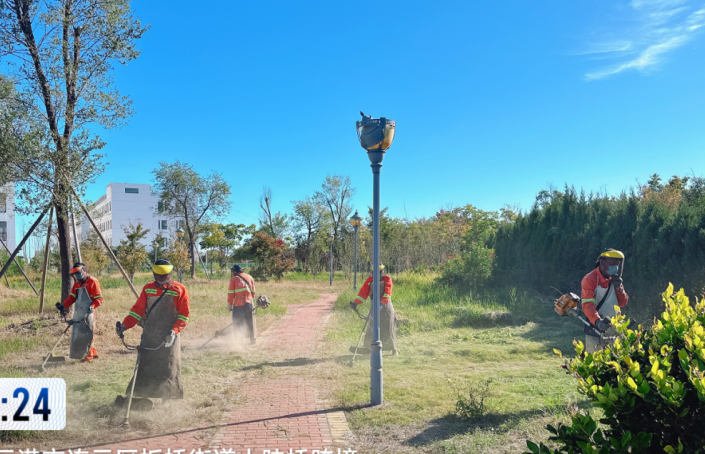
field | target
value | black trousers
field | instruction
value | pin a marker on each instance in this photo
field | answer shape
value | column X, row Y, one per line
column 244, row 321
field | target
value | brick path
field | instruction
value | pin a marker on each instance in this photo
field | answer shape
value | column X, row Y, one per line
column 280, row 413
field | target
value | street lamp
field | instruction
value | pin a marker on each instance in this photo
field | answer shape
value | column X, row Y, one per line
column 330, row 241
column 356, row 221
column 180, row 236
column 155, row 246
column 376, row 136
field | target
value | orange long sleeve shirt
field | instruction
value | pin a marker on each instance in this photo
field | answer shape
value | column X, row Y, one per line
column 181, row 301
column 92, row 287
column 589, row 284
column 365, row 290
column 238, row 293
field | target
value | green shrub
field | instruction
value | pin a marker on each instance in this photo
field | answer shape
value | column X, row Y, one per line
column 471, row 269
column 651, row 381
column 585, row 437
column 471, row 401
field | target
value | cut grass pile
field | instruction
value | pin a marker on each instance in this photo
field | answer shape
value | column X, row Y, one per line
column 211, row 377
column 448, row 342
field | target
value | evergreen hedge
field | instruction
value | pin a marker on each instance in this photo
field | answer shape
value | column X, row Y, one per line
column 660, row 228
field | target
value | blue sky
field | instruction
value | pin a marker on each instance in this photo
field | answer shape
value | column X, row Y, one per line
column 493, row 101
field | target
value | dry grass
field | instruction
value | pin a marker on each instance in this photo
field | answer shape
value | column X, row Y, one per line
column 210, row 376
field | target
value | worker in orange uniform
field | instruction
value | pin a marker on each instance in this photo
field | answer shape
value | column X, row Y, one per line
column 387, row 320
column 602, row 290
column 241, row 294
column 86, row 295
column 162, row 310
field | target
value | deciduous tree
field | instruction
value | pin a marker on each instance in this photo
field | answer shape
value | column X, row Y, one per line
column 196, row 199
column 62, row 54
column 131, row 253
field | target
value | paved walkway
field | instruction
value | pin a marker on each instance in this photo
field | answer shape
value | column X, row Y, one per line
column 284, row 413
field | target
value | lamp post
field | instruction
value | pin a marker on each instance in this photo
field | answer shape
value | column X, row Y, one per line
column 180, row 236
column 376, row 136
column 330, row 242
column 356, row 221
column 155, row 246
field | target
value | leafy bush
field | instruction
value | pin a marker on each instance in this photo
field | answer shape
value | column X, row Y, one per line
column 471, row 401
column 651, row 381
column 270, row 257
column 471, row 269
column 584, row 437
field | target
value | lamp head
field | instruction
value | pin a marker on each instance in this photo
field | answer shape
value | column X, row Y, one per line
column 179, row 232
column 375, row 135
column 356, row 220
column 331, row 237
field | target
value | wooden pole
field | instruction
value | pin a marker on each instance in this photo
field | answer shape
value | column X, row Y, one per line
column 24, row 240
column 105, row 243
column 18, row 266
column 204, row 266
column 46, row 263
column 75, row 237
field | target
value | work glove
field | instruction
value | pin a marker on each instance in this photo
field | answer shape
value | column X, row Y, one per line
column 230, row 308
column 120, row 329
column 60, row 307
column 602, row 324
column 617, row 282
column 170, row 339
column 353, row 306
column 91, row 309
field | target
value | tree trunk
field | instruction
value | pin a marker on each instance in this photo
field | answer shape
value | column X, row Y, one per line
column 63, row 230
column 191, row 247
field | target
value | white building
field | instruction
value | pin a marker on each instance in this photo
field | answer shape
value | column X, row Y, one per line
column 7, row 215
column 125, row 203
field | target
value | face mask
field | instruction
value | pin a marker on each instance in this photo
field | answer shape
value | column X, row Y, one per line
column 612, row 270
column 162, row 280
column 79, row 277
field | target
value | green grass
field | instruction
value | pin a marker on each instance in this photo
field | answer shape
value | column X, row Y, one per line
column 448, row 341
column 322, row 276
column 16, row 344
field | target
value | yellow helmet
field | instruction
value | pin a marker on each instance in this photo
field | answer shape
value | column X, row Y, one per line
column 612, row 253
column 162, row 266
column 381, row 267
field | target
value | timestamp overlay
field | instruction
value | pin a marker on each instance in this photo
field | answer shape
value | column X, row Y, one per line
column 32, row 403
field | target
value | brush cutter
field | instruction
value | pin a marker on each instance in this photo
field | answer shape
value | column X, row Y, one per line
column 51, row 359
column 219, row 333
column 362, row 333
column 568, row 305
column 141, row 403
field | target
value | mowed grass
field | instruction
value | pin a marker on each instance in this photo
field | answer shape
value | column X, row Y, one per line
column 211, row 376
column 447, row 342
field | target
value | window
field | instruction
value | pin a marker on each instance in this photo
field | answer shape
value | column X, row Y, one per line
column 3, row 230
column 163, row 225
column 160, row 206
column 3, row 203
column 132, row 190
column 180, row 224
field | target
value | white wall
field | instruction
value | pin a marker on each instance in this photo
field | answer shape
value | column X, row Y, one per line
column 8, row 191
column 119, row 208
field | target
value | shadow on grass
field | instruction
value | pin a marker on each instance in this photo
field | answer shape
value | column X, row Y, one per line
column 448, row 426
column 300, row 362
column 554, row 331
